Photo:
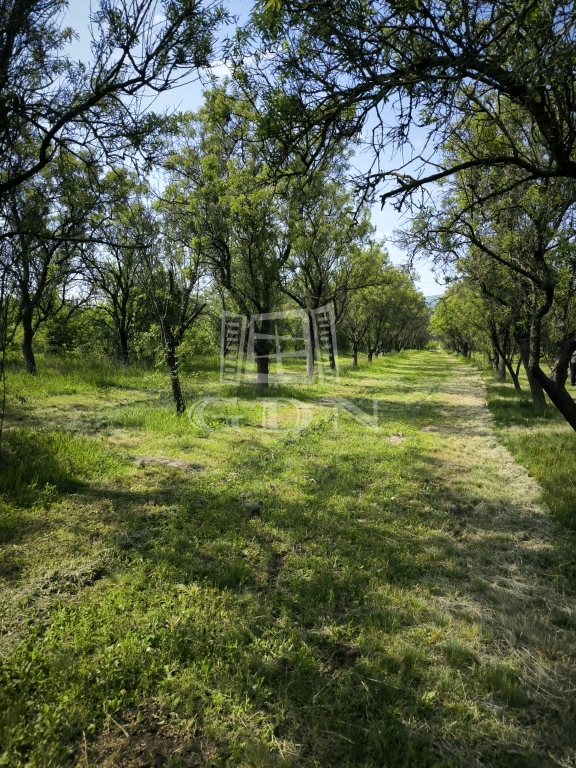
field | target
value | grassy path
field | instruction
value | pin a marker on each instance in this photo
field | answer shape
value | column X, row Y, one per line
column 396, row 598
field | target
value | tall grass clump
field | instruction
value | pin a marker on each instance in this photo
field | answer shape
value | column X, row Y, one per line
column 35, row 458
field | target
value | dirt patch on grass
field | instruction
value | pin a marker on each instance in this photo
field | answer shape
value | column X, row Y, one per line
column 144, row 461
column 275, row 565
column 148, row 740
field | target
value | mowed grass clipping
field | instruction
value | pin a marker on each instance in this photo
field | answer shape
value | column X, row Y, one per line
column 321, row 593
column 541, row 440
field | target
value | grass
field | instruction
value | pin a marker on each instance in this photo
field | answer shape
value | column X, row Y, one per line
column 396, row 599
column 540, row 440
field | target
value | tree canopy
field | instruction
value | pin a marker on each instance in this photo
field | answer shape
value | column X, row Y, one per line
column 372, row 71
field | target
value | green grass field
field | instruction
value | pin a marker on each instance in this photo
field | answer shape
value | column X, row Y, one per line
column 321, row 593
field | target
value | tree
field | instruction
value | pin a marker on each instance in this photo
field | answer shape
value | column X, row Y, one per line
column 458, row 320
column 336, row 70
column 49, row 214
column 398, row 316
column 358, row 312
column 55, row 113
column 501, row 329
column 519, row 248
column 355, row 323
column 50, row 105
column 509, row 301
column 8, row 320
column 387, row 315
column 234, row 213
column 331, row 256
column 114, row 264
column 174, row 279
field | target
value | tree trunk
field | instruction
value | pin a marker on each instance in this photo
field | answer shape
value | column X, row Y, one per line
column 501, row 368
column 494, row 359
column 370, row 353
column 262, row 371
column 555, row 384
column 172, row 361
column 262, row 352
column 558, row 395
column 501, row 361
column 124, row 346
column 331, row 355
column 513, row 374
column 27, row 339
column 310, row 350
column 538, row 399
column 354, row 356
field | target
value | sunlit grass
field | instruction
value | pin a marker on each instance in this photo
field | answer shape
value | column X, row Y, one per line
column 541, row 440
column 362, row 613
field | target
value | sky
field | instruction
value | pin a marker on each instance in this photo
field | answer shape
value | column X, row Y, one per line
column 189, row 97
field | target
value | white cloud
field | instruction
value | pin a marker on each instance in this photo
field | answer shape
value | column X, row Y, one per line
column 220, row 69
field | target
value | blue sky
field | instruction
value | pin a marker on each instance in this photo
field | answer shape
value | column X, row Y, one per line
column 189, row 97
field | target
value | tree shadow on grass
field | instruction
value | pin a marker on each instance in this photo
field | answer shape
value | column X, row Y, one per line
column 346, row 621
column 328, row 575
column 203, row 544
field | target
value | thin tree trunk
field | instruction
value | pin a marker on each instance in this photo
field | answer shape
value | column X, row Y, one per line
column 354, row 356
column 310, row 350
column 27, row 339
column 124, row 351
column 501, row 368
column 494, row 358
column 331, row 355
column 172, row 361
column 502, row 359
column 513, row 374
column 262, row 351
